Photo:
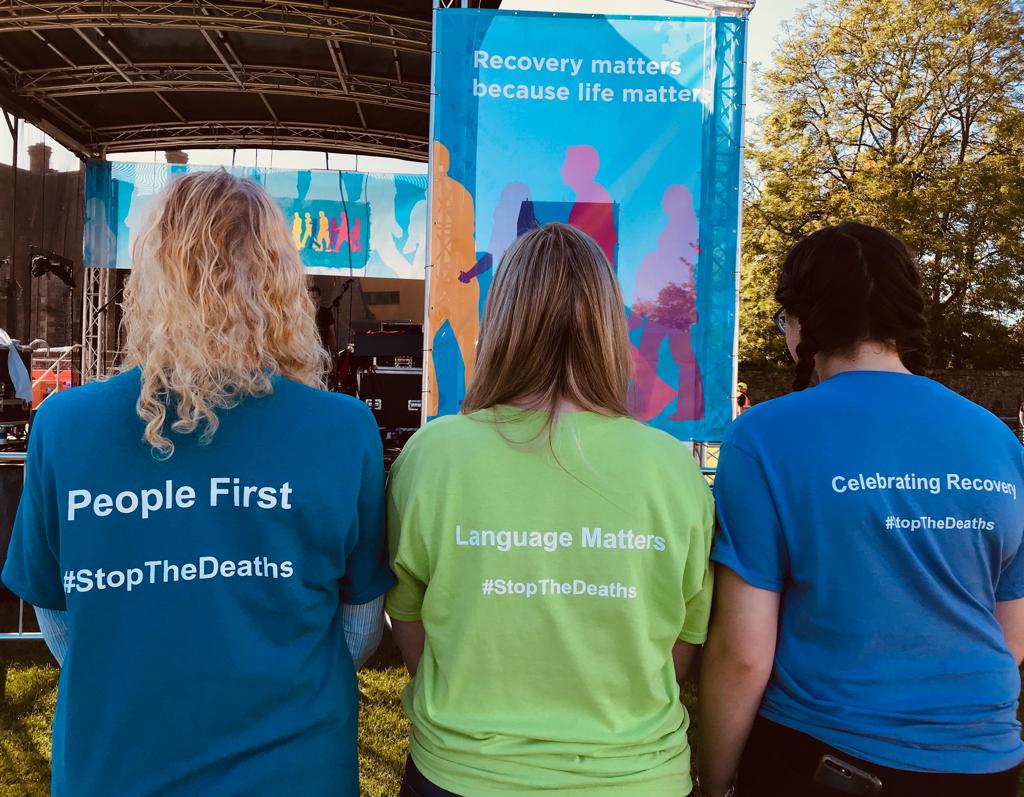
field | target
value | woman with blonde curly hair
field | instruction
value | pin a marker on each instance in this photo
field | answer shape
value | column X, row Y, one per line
column 214, row 560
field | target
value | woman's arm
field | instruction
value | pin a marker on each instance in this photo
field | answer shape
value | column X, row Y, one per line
column 54, row 627
column 363, row 626
column 683, row 656
column 736, row 665
column 1010, row 615
column 410, row 638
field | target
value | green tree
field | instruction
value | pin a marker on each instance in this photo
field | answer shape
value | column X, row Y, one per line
column 907, row 114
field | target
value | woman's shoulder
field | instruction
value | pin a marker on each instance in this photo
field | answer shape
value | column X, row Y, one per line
column 636, row 435
column 102, row 395
column 446, row 432
column 323, row 401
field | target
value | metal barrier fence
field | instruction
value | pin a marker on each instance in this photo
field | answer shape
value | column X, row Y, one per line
column 16, row 460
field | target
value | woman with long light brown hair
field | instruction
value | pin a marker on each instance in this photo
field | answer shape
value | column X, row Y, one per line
column 209, row 550
column 551, row 554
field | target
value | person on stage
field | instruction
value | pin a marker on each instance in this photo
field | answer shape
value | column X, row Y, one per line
column 324, row 321
column 219, row 583
column 869, row 607
column 551, row 554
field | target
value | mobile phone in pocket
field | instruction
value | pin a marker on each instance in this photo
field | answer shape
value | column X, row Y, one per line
column 843, row 777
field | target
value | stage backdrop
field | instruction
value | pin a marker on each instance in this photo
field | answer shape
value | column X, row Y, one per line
column 372, row 224
column 629, row 128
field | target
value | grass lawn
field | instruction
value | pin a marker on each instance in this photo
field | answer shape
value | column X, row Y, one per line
column 30, row 692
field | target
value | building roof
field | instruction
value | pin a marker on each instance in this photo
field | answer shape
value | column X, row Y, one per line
column 106, row 76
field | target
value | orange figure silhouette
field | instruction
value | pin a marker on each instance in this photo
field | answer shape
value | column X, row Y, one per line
column 323, row 235
column 453, row 250
column 309, row 231
column 297, row 230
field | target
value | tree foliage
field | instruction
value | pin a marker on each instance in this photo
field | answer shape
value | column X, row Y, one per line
column 907, row 114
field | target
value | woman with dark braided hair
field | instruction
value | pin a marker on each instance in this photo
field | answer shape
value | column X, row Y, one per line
column 869, row 603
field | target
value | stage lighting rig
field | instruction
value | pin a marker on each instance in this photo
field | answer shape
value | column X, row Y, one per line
column 46, row 262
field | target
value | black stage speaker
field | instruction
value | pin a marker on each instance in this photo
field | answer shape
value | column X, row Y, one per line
column 388, row 344
column 394, row 394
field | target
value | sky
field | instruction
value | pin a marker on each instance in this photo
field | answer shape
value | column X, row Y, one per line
column 766, row 21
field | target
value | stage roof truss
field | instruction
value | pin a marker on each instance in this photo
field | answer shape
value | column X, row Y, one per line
column 103, row 76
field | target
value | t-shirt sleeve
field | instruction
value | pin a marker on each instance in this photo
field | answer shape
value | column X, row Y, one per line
column 698, row 576
column 1011, row 580
column 32, row 570
column 367, row 575
column 749, row 539
column 409, row 558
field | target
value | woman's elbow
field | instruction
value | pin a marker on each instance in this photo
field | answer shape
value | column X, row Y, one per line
column 738, row 661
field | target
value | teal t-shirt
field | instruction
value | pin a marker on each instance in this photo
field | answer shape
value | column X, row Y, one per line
column 203, row 593
column 552, row 582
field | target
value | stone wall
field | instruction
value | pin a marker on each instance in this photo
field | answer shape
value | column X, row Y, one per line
column 1000, row 392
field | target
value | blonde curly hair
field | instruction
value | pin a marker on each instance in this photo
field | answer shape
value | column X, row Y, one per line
column 216, row 305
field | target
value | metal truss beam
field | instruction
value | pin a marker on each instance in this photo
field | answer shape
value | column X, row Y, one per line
column 278, row 17
column 318, row 136
column 739, row 8
column 95, row 338
column 104, row 79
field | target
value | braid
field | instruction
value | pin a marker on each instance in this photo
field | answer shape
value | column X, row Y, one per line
column 914, row 351
column 849, row 284
column 804, row 370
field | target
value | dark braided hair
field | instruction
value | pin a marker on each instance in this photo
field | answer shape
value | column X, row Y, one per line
column 851, row 283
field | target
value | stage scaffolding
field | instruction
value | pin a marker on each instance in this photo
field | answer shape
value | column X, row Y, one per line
column 97, row 322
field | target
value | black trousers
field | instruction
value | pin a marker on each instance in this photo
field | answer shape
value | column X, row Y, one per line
column 415, row 784
column 780, row 762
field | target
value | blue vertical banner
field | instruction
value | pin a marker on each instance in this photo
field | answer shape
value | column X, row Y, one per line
column 367, row 225
column 629, row 128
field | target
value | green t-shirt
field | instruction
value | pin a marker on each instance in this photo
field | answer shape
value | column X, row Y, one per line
column 552, row 581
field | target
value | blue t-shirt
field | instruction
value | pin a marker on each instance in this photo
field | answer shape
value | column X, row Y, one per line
column 204, row 592
column 888, row 511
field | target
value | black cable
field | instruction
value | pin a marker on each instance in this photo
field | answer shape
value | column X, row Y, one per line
column 36, row 293
column 351, row 274
column 64, row 251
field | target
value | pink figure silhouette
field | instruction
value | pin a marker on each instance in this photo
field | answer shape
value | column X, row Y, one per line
column 339, row 232
column 666, row 296
column 355, row 236
column 593, row 211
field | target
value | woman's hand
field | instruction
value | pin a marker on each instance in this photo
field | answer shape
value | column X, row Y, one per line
column 737, row 663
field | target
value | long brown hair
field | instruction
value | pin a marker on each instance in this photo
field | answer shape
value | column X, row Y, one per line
column 216, row 305
column 554, row 328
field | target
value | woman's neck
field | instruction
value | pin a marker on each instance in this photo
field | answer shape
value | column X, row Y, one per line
column 535, row 403
column 866, row 356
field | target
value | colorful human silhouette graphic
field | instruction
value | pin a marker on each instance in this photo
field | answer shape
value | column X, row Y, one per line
column 341, row 233
column 297, row 231
column 416, row 244
column 386, row 231
column 665, row 304
column 323, row 234
column 593, row 211
column 453, row 250
column 513, row 216
column 308, row 233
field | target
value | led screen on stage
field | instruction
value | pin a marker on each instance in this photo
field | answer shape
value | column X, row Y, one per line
column 369, row 225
